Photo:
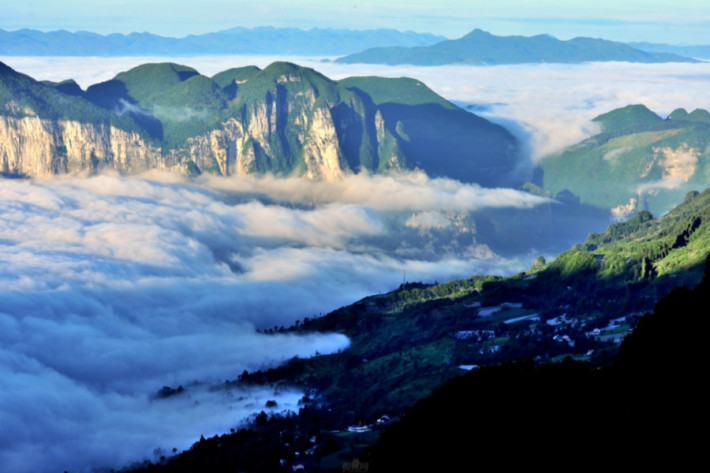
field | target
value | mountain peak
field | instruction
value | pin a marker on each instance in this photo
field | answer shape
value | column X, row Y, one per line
column 699, row 115
column 279, row 68
column 160, row 71
column 283, row 72
column 69, row 87
column 678, row 114
column 147, row 81
column 403, row 90
column 636, row 116
column 283, row 66
column 477, row 32
column 236, row 75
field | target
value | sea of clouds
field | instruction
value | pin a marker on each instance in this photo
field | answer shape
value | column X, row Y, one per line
column 113, row 287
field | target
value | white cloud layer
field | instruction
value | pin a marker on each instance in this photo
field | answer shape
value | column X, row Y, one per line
column 113, row 287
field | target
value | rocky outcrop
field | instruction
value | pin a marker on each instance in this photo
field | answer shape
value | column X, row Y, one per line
column 232, row 150
column 131, row 153
column 28, row 146
column 321, row 151
column 225, row 151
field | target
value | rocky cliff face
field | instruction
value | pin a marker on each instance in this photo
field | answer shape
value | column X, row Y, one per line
column 288, row 130
column 33, row 146
column 236, row 149
column 321, row 151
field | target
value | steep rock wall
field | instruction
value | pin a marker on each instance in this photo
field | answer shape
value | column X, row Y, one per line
column 33, row 146
column 273, row 136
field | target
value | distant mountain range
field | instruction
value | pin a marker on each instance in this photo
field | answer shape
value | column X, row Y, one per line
column 482, row 48
column 639, row 161
column 694, row 51
column 262, row 40
column 380, row 46
column 284, row 119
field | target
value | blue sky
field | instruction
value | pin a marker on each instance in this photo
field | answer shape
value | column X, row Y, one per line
column 671, row 21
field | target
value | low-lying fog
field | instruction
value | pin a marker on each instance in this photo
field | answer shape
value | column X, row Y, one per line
column 114, row 287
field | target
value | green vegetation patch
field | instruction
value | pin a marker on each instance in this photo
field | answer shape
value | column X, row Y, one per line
column 403, row 90
column 148, row 81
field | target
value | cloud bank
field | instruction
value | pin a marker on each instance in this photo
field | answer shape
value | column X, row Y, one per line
column 114, row 287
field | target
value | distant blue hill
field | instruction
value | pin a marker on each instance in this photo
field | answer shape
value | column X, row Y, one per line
column 695, row 51
column 482, row 48
column 262, row 40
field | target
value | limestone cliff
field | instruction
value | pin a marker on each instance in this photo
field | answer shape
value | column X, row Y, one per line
column 321, row 150
column 33, row 146
column 232, row 150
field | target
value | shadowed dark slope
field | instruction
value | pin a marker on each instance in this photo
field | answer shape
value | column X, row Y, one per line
column 642, row 409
